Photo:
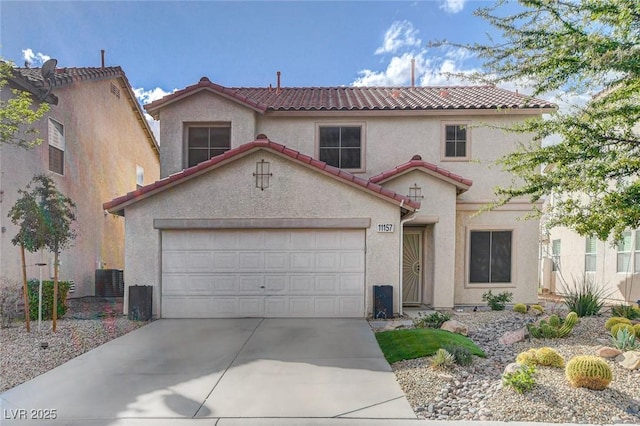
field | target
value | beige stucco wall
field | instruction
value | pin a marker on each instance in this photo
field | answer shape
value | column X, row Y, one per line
column 104, row 144
column 202, row 107
column 295, row 191
column 525, row 257
column 620, row 286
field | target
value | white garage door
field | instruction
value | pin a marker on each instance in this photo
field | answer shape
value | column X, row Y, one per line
column 263, row 273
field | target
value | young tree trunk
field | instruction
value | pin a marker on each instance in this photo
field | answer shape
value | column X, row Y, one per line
column 25, row 290
column 55, row 291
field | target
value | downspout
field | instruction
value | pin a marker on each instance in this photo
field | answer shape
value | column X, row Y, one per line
column 402, row 222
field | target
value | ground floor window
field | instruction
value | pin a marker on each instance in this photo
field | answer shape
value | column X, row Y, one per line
column 490, row 257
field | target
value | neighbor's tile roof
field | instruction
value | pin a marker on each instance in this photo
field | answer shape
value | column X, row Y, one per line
column 265, row 99
column 66, row 76
column 117, row 205
column 416, row 163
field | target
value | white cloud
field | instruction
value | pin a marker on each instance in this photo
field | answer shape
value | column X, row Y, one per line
column 401, row 34
column 452, row 6
column 34, row 59
column 148, row 96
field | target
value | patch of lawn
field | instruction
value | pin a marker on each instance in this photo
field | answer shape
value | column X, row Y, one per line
column 398, row 345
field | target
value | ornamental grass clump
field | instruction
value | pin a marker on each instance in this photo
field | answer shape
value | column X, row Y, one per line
column 442, row 359
column 589, row 372
column 626, row 311
column 586, row 296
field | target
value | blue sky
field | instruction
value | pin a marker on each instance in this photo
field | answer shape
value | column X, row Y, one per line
column 166, row 45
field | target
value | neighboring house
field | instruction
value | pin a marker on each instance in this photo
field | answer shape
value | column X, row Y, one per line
column 96, row 145
column 300, row 201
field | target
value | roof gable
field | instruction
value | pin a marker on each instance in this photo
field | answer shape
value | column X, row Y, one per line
column 117, row 205
column 299, row 99
column 416, row 163
column 32, row 80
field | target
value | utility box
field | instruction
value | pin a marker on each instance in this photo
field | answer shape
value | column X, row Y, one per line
column 109, row 283
column 140, row 302
column 382, row 301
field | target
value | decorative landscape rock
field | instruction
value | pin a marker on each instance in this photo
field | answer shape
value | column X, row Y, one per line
column 511, row 337
column 631, row 360
column 455, row 326
column 608, row 352
column 514, row 367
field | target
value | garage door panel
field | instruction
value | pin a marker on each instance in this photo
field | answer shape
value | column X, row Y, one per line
column 274, row 273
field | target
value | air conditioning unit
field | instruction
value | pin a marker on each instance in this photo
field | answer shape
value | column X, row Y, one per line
column 109, row 283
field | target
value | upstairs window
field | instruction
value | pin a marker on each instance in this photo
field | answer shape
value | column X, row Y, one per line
column 205, row 142
column 341, row 146
column 455, row 141
column 56, row 146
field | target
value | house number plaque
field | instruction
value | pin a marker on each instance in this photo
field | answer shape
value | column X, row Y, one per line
column 385, row 227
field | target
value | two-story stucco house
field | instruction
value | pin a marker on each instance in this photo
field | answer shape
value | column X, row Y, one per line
column 300, row 201
column 96, row 145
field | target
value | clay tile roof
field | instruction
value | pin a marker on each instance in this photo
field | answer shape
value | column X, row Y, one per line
column 461, row 183
column 364, row 98
column 118, row 204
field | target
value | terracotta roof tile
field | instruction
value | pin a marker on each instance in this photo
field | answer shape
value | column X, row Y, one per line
column 117, row 204
column 460, row 182
column 363, row 98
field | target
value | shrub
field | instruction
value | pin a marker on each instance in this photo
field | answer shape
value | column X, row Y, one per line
column 626, row 311
column 10, row 298
column 624, row 338
column 549, row 357
column 520, row 307
column 589, row 372
column 621, row 326
column 434, row 320
column 615, row 320
column 442, row 359
column 47, row 299
column 522, row 380
column 461, row 354
column 586, row 297
column 553, row 327
column 497, row 302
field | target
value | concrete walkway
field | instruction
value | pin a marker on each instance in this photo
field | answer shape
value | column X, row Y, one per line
column 227, row 370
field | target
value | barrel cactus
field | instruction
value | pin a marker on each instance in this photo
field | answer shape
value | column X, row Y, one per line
column 553, row 327
column 616, row 320
column 554, row 321
column 589, row 372
column 537, row 309
column 549, row 357
column 636, row 329
column 520, row 307
column 527, row 358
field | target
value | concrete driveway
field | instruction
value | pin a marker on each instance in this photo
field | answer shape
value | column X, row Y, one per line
column 220, row 369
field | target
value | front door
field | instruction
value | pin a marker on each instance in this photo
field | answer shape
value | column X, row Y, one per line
column 412, row 268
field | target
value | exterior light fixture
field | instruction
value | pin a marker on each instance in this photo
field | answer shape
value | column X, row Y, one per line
column 262, row 174
column 415, row 193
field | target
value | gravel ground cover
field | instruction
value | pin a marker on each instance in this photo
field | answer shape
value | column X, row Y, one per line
column 89, row 323
column 475, row 392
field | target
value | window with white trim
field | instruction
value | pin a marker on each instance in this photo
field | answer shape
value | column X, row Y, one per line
column 341, row 146
column 455, row 141
column 56, row 143
column 207, row 141
column 490, row 255
column 590, row 254
column 623, row 261
column 555, row 254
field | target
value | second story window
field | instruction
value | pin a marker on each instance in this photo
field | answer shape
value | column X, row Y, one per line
column 341, row 146
column 455, row 141
column 204, row 142
column 56, row 146
column 590, row 255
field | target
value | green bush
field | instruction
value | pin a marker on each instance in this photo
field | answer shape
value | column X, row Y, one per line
column 497, row 302
column 522, row 380
column 434, row 320
column 47, row 299
column 586, row 297
column 520, row 307
column 461, row 354
column 626, row 311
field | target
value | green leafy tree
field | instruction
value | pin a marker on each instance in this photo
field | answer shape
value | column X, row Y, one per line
column 579, row 47
column 18, row 114
column 45, row 216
